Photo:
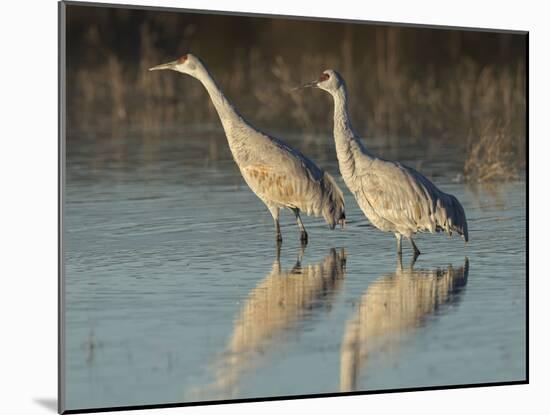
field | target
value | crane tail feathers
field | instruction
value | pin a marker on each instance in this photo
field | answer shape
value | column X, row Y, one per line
column 332, row 204
column 451, row 217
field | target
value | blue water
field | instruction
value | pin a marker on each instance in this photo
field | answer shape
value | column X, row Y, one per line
column 174, row 292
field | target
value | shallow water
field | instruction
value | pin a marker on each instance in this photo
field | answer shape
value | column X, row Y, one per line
column 174, row 292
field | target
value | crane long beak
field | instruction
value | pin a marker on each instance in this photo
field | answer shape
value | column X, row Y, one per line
column 169, row 65
column 308, row 85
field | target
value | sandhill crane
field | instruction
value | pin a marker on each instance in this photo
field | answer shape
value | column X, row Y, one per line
column 395, row 198
column 392, row 306
column 274, row 307
column 278, row 174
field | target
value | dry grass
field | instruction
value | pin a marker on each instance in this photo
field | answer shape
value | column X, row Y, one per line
column 493, row 155
column 390, row 99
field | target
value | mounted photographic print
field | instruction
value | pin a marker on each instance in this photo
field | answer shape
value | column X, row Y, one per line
column 259, row 207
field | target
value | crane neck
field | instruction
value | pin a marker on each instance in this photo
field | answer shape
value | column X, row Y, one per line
column 229, row 116
column 349, row 146
column 342, row 122
column 343, row 130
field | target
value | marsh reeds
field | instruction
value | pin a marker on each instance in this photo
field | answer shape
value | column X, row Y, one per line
column 393, row 97
column 493, row 155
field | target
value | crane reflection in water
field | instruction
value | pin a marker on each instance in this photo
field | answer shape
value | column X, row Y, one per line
column 392, row 306
column 277, row 305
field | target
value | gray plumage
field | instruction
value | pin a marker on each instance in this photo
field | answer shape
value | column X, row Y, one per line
column 395, row 198
column 278, row 174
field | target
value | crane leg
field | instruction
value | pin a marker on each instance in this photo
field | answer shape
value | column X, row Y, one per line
column 303, row 233
column 276, row 267
column 416, row 250
column 299, row 258
column 399, row 262
column 399, row 238
column 413, row 261
column 275, row 213
column 278, row 235
column 301, row 253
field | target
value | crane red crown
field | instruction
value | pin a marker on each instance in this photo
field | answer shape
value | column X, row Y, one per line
column 182, row 59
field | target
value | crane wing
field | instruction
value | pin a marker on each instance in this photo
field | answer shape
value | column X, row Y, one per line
column 278, row 168
column 281, row 175
column 290, row 159
column 407, row 199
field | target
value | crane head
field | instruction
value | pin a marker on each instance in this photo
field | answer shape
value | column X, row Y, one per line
column 330, row 80
column 185, row 64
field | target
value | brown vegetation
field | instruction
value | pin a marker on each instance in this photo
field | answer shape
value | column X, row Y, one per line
column 394, row 93
column 494, row 154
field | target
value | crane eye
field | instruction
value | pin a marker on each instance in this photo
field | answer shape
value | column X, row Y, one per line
column 182, row 59
column 324, row 77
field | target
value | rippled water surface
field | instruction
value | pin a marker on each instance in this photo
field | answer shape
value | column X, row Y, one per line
column 175, row 292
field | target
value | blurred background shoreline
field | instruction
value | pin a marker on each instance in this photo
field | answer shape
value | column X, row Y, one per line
column 428, row 87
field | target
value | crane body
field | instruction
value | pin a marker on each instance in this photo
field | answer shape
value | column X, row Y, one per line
column 280, row 175
column 394, row 197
